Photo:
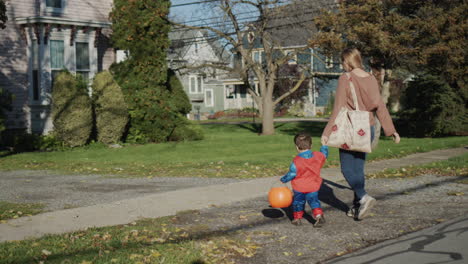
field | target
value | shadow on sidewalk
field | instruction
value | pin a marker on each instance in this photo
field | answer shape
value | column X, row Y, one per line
column 271, row 215
column 326, row 195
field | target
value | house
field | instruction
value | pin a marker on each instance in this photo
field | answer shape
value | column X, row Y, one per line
column 41, row 38
column 205, row 87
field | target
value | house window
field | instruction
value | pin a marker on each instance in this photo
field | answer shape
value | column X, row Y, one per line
column 54, row 6
column 293, row 57
column 82, row 59
column 241, row 90
column 329, row 62
column 229, row 91
column 196, row 84
column 209, row 98
column 35, row 81
column 54, row 3
column 57, row 60
column 35, row 71
column 256, row 56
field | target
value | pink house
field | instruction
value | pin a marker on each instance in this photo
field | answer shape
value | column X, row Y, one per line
column 43, row 37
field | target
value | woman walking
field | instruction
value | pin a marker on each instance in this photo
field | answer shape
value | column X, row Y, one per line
column 368, row 97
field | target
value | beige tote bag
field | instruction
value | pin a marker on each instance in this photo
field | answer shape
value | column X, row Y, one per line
column 351, row 130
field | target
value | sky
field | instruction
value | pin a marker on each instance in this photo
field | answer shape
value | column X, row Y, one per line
column 188, row 12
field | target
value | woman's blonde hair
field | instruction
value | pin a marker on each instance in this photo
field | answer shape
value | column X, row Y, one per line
column 352, row 57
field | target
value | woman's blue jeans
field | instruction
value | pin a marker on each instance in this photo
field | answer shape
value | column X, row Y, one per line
column 352, row 167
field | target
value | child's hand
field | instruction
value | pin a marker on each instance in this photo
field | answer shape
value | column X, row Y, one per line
column 396, row 137
column 324, row 140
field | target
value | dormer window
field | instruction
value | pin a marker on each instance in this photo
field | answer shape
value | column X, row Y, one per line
column 329, row 62
column 56, row 4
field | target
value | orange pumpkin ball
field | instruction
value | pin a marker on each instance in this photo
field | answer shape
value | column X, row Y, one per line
column 280, row 197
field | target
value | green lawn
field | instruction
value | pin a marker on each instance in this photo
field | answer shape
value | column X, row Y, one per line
column 228, row 150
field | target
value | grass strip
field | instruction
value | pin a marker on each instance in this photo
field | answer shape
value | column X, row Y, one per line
column 456, row 166
column 14, row 210
column 146, row 241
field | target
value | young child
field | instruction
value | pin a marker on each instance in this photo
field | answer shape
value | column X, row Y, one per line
column 304, row 174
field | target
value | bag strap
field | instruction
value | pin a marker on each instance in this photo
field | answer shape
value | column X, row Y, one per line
column 353, row 91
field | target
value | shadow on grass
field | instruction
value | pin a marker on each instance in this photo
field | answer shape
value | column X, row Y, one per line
column 314, row 128
column 257, row 127
column 271, row 215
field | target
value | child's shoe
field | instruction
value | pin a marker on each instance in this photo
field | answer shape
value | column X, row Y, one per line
column 297, row 222
column 317, row 213
column 319, row 221
column 297, row 218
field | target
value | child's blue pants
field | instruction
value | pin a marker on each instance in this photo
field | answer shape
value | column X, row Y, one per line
column 300, row 199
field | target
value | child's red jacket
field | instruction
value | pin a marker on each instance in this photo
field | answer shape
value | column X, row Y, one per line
column 304, row 172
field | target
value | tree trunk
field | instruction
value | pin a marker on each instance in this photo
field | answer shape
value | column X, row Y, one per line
column 268, row 126
column 384, row 79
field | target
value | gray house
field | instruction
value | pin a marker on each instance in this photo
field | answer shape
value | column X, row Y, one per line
column 189, row 50
column 41, row 38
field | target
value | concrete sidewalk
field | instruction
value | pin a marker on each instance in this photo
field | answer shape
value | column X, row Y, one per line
column 443, row 243
column 164, row 204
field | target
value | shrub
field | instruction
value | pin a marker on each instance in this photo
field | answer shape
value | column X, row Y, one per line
column 155, row 110
column 330, row 104
column 296, row 109
column 186, row 132
column 21, row 141
column 71, row 110
column 179, row 98
column 433, row 108
column 111, row 111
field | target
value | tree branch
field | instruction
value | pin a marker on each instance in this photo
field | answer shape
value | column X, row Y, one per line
column 292, row 90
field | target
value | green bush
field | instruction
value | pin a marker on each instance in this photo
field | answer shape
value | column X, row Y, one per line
column 155, row 110
column 187, row 132
column 296, row 109
column 179, row 98
column 21, row 141
column 111, row 111
column 330, row 104
column 71, row 110
column 432, row 108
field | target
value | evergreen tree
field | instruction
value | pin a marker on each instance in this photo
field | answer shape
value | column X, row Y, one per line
column 443, row 110
column 140, row 27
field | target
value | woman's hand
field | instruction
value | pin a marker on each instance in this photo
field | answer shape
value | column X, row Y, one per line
column 324, row 140
column 396, row 137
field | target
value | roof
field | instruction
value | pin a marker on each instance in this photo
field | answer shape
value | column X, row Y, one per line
column 182, row 39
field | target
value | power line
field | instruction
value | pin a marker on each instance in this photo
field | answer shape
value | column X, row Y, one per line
column 195, row 3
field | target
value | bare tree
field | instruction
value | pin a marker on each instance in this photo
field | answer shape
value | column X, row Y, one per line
column 277, row 31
